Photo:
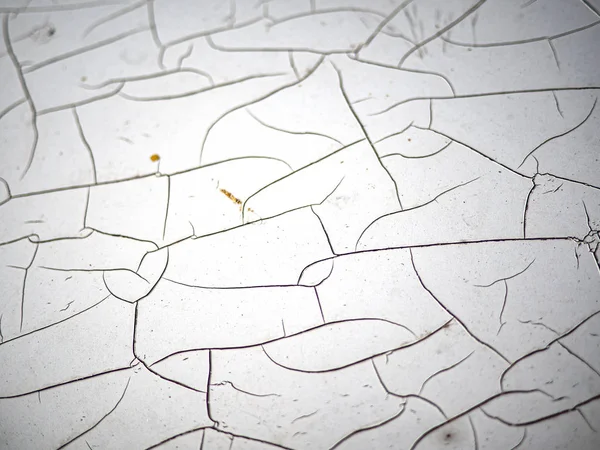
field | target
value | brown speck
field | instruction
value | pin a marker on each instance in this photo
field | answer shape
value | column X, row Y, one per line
column 231, row 197
column 154, row 158
column 409, row 139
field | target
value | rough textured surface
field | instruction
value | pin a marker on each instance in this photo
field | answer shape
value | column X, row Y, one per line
column 300, row 224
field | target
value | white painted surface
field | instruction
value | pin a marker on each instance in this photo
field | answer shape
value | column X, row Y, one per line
column 299, row 224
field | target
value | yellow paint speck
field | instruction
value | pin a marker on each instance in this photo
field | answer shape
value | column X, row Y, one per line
column 154, row 158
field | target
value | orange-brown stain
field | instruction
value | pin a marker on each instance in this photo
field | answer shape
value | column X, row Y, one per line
column 154, row 158
column 231, row 197
column 234, row 199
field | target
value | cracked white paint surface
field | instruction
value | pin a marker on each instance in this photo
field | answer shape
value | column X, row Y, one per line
column 263, row 224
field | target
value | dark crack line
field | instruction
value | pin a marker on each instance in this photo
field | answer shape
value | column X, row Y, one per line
column 67, row 307
column 441, row 31
column 22, row 312
column 364, row 131
column 475, row 438
column 85, row 211
column 185, row 433
column 58, row 322
column 263, row 188
column 575, row 355
column 502, row 309
column 199, row 91
column 586, row 420
column 420, row 157
column 557, row 108
column 370, row 427
column 232, row 12
column 241, row 436
column 489, row 158
column 57, row 269
column 445, row 369
column 522, row 439
column 561, row 134
column 546, row 417
column 445, row 244
column 572, row 181
column 58, row 8
column 547, row 346
column 82, row 102
column 393, row 134
column 208, row 384
column 112, row 16
column 408, row 396
column 292, row 132
column 317, row 327
column 434, row 199
column 168, row 202
column 308, row 330
column 293, row 64
column 7, row 187
column 483, row 403
column 506, row 278
column 82, row 50
column 554, row 54
column 66, row 383
column 587, row 216
column 161, row 376
column 186, row 55
column 409, row 70
column 344, row 366
column 11, row 107
column 229, row 383
column 522, row 41
column 249, row 346
column 264, row 97
column 87, row 146
column 148, row 76
column 539, row 324
column 486, row 94
column 323, row 53
column 100, row 421
column 318, row 302
column 205, row 33
column 591, row 7
column 430, row 114
column 20, row 75
column 324, row 231
column 324, row 11
column 122, row 236
column 228, row 288
column 153, row 175
column 331, row 258
column 485, row 344
column 305, row 416
column 1, row 335
column 384, row 23
column 154, row 31
column 526, row 208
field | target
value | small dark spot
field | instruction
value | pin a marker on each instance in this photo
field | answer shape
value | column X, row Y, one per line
column 51, row 31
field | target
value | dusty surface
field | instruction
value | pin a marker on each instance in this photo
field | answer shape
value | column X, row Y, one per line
column 262, row 224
